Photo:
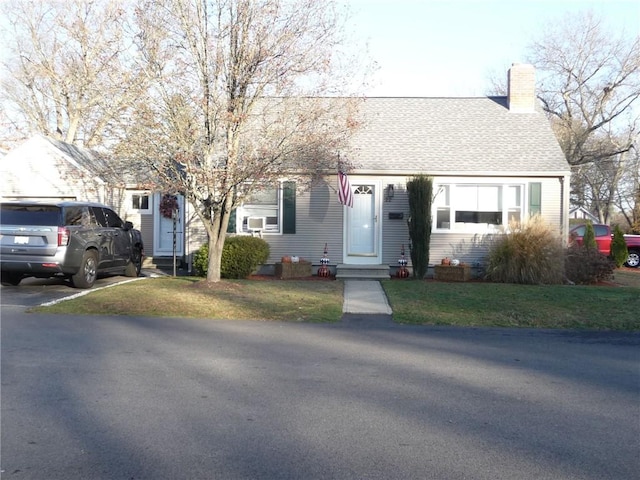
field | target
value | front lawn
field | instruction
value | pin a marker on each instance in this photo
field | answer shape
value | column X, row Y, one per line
column 508, row 305
column 477, row 304
column 304, row 300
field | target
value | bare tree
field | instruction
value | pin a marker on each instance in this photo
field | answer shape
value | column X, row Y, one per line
column 590, row 88
column 627, row 195
column 71, row 67
column 235, row 100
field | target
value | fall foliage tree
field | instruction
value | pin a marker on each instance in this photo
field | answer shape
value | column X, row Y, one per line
column 238, row 101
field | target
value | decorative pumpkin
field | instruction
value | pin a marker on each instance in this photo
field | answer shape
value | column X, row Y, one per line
column 446, row 261
column 286, row 259
column 455, row 262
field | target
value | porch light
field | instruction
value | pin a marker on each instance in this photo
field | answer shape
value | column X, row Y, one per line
column 389, row 192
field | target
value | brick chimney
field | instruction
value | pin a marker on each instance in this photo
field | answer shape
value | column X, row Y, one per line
column 521, row 95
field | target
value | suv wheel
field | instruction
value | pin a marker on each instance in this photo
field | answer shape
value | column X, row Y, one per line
column 86, row 276
column 11, row 278
column 134, row 266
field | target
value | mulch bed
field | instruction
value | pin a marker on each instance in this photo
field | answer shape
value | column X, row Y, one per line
column 310, row 278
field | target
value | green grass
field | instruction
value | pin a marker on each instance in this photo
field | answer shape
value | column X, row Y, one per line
column 481, row 304
column 475, row 304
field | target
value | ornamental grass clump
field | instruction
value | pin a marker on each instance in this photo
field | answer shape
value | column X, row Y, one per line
column 531, row 253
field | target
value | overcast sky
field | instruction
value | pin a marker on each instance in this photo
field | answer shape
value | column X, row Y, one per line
column 449, row 47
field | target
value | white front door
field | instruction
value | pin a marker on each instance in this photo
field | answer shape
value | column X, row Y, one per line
column 362, row 226
column 163, row 237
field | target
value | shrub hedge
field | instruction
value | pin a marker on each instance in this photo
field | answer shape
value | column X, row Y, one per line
column 241, row 255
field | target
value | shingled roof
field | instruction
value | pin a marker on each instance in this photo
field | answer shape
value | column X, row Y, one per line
column 454, row 136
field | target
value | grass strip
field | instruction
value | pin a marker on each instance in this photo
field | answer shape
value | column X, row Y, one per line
column 480, row 304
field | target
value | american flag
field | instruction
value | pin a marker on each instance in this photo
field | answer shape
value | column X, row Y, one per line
column 344, row 190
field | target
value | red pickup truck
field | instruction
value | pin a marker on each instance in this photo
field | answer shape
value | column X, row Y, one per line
column 603, row 239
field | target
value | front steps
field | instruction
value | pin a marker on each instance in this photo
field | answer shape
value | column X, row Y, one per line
column 362, row 272
column 164, row 264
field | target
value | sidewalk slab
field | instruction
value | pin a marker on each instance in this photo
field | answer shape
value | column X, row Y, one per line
column 365, row 296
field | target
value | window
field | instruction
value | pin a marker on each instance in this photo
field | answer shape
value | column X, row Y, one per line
column 514, row 203
column 141, row 202
column 443, row 207
column 276, row 204
column 477, row 207
column 478, row 204
column 262, row 203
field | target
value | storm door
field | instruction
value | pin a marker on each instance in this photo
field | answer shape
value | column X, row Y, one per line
column 363, row 226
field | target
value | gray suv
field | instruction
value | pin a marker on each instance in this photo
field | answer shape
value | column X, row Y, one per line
column 76, row 240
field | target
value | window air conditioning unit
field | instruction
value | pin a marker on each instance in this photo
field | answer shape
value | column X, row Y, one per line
column 256, row 224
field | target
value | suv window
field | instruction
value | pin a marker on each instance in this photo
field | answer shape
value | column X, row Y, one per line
column 107, row 217
column 113, row 220
column 82, row 216
column 36, row 215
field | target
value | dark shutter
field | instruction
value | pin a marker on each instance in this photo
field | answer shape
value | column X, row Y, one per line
column 535, row 198
column 289, row 207
column 231, row 227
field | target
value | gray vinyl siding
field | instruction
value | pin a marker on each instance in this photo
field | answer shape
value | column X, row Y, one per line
column 473, row 248
column 395, row 232
column 319, row 218
column 552, row 209
column 146, row 229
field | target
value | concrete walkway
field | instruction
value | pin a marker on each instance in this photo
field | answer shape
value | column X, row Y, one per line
column 365, row 297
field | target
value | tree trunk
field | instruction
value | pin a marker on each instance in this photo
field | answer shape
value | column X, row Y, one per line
column 216, row 244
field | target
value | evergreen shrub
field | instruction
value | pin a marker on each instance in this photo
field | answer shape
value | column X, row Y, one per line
column 420, row 193
column 241, row 255
column 584, row 266
column 619, row 251
column 589, row 239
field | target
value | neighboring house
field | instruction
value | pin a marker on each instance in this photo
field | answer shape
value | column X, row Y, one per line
column 582, row 214
column 493, row 160
column 46, row 169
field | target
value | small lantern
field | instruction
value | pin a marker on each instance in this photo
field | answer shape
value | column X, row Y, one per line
column 323, row 270
column 402, row 272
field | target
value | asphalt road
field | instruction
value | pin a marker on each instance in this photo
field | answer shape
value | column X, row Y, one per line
column 139, row 398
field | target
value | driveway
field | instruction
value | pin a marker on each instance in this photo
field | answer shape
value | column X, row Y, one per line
column 36, row 291
column 158, row 398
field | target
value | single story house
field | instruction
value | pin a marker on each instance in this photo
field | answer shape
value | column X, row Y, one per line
column 493, row 160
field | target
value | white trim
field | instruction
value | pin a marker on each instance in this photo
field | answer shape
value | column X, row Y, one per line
column 140, row 211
